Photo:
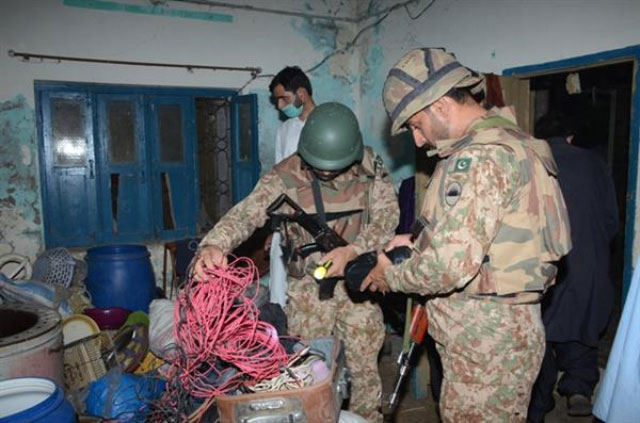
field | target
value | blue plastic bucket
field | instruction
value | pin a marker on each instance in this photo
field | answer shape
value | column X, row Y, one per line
column 120, row 276
column 32, row 399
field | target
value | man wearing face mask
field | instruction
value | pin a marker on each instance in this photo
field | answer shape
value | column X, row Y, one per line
column 292, row 94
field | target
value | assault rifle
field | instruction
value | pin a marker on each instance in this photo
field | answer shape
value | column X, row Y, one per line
column 355, row 273
column 325, row 238
column 417, row 331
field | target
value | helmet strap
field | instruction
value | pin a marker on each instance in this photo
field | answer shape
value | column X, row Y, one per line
column 317, row 198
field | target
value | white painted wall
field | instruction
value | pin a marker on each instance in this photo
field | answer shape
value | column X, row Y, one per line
column 490, row 36
column 493, row 35
column 252, row 39
column 50, row 27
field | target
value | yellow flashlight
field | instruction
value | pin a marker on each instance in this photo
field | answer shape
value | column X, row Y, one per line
column 321, row 270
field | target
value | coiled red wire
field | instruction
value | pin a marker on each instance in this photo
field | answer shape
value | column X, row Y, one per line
column 217, row 329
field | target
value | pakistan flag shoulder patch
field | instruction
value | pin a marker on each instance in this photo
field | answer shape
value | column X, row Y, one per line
column 462, row 165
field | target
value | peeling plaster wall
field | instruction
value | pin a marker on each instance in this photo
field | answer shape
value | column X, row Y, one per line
column 488, row 35
column 20, row 221
column 239, row 38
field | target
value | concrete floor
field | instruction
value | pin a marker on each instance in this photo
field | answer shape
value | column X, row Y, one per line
column 412, row 410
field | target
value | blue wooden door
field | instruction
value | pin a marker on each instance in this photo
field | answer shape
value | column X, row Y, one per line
column 69, row 164
column 123, row 165
column 171, row 131
column 244, row 143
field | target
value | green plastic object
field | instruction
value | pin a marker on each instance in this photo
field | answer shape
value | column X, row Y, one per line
column 331, row 138
column 137, row 317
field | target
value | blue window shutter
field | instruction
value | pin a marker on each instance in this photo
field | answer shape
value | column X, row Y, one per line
column 122, row 160
column 244, row 143
column 171, row 137
column 68, row 169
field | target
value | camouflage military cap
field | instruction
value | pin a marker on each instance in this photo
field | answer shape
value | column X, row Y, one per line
column 420, row 78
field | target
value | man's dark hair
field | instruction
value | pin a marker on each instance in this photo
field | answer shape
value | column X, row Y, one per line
column 460, row 95
column 555, row 124
column 291, row 79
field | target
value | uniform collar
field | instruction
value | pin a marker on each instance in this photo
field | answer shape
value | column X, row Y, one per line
column 496, row 118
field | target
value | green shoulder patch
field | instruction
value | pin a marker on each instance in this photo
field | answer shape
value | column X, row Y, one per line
column 462, row 165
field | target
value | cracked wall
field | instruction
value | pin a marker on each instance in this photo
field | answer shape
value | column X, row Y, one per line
column 20, row 211
column 336, row 79
column 270, row 41
column 247, row 39
column 486, row 35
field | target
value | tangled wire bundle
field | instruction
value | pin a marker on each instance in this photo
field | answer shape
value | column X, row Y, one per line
column 223, row 344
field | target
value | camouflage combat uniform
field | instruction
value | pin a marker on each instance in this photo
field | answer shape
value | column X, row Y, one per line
column 494, row 221
column 366, row 187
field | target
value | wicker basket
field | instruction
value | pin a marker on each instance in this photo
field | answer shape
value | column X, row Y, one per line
column 87, row 360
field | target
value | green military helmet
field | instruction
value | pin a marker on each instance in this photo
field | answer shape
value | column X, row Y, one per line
column 331, row 138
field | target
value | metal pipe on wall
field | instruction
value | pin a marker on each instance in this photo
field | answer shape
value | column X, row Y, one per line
column 251, row 8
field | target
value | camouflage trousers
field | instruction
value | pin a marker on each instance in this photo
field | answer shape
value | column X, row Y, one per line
column 491, row 355
column 358, row 324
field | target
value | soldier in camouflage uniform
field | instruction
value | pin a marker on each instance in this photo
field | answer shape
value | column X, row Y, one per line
column 350, row 177
column 492, row 223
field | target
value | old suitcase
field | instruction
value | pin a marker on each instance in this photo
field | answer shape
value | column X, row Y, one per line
column 319, row 403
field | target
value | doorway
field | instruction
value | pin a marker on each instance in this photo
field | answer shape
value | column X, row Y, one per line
column 600, row 97
column 599, row 90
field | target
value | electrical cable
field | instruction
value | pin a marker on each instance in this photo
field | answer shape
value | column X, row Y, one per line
column 255, row 71
column 223, row 346
column 296, row 375
column 385, row 13
column 351, row 43
column 281, row 12
column 413, row 18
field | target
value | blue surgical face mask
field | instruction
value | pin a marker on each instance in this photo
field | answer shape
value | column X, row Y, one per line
column 292, row 111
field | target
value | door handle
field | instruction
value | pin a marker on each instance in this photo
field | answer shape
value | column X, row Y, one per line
column 91, row 172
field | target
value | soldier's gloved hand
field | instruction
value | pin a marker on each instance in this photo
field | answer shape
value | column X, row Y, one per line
column 375, row 280
column 399, row 241
column 339, row 257
column 208, row 257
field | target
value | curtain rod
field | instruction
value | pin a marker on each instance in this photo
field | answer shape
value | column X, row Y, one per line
column 27, row 56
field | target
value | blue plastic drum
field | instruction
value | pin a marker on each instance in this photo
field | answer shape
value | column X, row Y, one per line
column 32, row 399
column 120, row 276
